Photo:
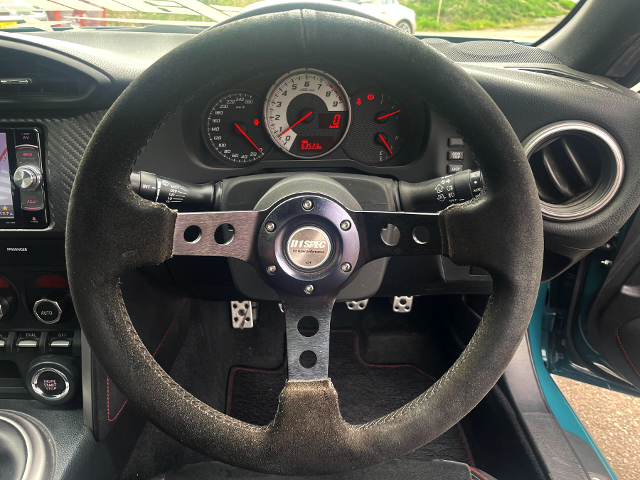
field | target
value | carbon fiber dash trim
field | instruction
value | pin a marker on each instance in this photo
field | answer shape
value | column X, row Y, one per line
column 65, row 142
column 491, row 51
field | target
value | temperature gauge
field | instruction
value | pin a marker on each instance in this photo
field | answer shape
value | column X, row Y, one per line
column 379, row 128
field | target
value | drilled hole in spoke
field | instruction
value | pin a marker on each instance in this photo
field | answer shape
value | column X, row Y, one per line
column 421, row 234
column 308, row 326
column 308, row 359
column 192, row 234
column 390, row 235
column 224, row 234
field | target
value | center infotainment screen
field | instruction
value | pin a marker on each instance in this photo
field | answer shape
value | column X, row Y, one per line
column 6, row 199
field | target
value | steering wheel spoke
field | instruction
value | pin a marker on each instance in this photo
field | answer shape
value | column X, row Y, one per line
column 308, row 322
column 388, row 234
column 218, row 234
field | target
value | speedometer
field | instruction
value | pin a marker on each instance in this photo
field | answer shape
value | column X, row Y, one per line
column 232, row 129
column 307, row 113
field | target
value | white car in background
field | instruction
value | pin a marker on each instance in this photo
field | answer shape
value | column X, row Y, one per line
column 389, row 11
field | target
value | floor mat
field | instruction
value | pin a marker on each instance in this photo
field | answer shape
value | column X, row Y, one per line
column 365, row 392
column 414, row 469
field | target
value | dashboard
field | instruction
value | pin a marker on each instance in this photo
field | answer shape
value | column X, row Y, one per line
column 252, row 130
column 306, row 114
column 323, row 118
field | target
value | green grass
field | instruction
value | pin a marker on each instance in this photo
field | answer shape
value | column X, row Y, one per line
column 482, row 14
column 455, row 14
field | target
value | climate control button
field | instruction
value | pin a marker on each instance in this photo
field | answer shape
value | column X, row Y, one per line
column 49, row 310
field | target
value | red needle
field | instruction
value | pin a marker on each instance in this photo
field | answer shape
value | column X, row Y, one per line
column 385, row 143
column 247, row 137
column 295, row 124
column 389, row 114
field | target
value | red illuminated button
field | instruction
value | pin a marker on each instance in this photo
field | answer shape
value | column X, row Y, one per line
column 50, row 383
column 31, row 200
column 27, row 154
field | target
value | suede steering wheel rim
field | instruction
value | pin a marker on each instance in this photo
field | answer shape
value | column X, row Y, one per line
column 501, row 231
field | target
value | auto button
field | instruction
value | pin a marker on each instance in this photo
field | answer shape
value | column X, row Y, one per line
column 49, row 310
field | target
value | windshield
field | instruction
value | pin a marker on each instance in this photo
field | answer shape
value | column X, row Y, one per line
column 519, row 20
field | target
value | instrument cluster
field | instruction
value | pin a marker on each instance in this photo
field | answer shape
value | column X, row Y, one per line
column 306, row 114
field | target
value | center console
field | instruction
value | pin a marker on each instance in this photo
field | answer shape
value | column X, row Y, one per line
column 22, row 179
column 39, row 334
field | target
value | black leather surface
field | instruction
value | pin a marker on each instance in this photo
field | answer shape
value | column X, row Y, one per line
column 505, row 230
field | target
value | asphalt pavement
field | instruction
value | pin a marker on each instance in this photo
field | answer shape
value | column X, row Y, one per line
column 612, row 419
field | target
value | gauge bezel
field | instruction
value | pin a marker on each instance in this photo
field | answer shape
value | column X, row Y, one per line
column 207, row 141
column 408, row 123
column 314, row 71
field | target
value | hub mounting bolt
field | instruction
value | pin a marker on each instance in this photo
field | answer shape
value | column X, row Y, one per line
column 307, row 204
column 308, row 289
column 345, row 267
column 270, row 227
column 345, row 225
column 271, row 269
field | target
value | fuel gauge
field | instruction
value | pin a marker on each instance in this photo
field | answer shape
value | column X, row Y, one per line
column 379, row 128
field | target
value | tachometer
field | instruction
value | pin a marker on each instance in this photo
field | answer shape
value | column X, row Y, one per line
column 307, row 113
column 232, row 128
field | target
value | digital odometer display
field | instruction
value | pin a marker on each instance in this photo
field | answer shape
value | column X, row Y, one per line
column 307, row 113
column 314, row 144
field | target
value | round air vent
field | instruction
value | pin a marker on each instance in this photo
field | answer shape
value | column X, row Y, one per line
column 578, row 168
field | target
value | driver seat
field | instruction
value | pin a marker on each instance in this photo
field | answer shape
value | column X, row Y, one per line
column 406, row 469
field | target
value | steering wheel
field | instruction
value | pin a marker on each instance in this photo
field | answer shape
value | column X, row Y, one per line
column 111, row 230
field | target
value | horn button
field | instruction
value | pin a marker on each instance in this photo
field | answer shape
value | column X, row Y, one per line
column 304, row 238
column 308, row 248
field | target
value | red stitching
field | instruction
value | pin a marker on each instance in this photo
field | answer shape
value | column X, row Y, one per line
column 464, row 444
column 167, row 332
column 154, row 354
column 477, row 472
column 625, row 354
column 108, row 409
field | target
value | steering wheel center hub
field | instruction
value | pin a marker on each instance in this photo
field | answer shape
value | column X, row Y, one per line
column 309, row 248
column 301, row 244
